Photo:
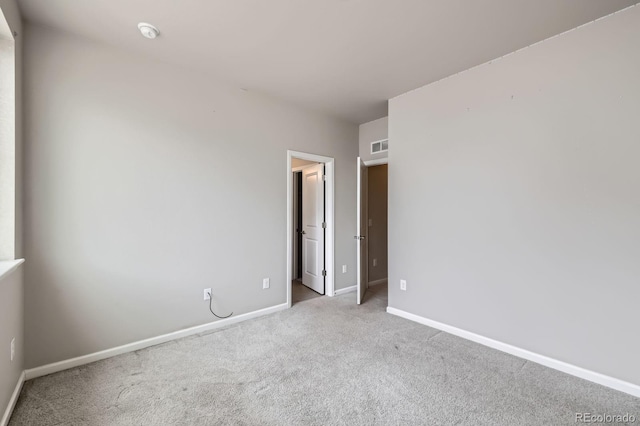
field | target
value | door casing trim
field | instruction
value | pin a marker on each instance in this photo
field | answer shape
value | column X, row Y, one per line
column 329, row 241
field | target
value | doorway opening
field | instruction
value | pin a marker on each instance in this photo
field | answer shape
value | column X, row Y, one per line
column 373, row 235
column 310, row 226
column 308, row 230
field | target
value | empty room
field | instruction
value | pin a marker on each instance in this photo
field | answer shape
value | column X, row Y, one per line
column 337, row 212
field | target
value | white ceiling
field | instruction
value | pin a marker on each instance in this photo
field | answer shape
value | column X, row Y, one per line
column 342, row 57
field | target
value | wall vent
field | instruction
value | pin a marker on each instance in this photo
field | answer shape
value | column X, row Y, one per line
column 380, row 146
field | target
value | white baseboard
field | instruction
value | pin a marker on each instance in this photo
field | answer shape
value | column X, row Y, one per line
column 592, row 376
column 13, row 400
column 376, row 282
column 345, row 290
column 141, row 344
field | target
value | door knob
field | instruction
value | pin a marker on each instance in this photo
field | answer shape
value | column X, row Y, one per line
column 303, row 232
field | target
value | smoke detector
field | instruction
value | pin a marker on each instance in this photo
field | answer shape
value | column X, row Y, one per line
column 148, row 30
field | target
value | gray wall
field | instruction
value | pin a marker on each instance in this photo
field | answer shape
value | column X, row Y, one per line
column 11, row 326
column 145, row 184
column 372, row 131
column 11, row 286
column 513, row 198
column 377, row 213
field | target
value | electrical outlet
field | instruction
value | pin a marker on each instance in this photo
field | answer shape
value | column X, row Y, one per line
column 207, row 293
column 344, row 269
column 265, row 283
column 403, row 285
column 13, row 348
column 375, row 262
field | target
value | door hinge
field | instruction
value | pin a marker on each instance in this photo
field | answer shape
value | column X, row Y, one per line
column 324, row 177
column 324, row 272
column 324, row 225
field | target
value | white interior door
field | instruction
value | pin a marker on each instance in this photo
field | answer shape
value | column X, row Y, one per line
column 361, row 220
column 312, row 228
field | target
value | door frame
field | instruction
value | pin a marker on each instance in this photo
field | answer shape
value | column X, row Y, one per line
column 329, row 239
